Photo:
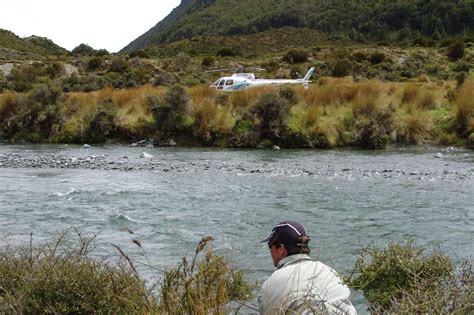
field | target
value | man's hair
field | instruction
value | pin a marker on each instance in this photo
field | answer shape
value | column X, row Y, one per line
column 302, row 247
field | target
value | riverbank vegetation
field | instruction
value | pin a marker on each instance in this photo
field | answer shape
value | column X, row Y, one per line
column 405, row 279
column 67, row 276
column 402, row 77
column 335, row 112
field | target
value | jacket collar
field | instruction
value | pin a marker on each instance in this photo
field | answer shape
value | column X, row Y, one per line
column 292, row 259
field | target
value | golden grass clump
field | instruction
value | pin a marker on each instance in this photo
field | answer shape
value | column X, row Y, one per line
column 426, row 99
column 212, row 119
column 365, row 104
column 372, row 89
column 331, row 94
column 245, row 98
column 465, row 108
column 8, row 104
column 423, row 79
column 203, row 285
column 202, row 92
column 414, row 127
column 409, row 93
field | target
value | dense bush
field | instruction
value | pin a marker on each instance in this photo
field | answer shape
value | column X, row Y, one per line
column 296, row 56
column 103, row 125
column 170, row 112
column 342, row 68
column 63, row 278
column 37, row 117
column 83, row 50
column 226, row 52
column 119, row 65
column 377, row 57
column 95, row 63
column 456, row 50
column 208, row 61
column 270, row 112
column 402, row 279
column 383, row 21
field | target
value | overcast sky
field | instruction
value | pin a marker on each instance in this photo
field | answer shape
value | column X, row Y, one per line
column 109, row 24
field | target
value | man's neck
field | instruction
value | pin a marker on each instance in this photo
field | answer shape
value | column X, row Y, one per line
column 292, row 259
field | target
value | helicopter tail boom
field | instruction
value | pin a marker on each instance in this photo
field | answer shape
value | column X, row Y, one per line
column 308, row 75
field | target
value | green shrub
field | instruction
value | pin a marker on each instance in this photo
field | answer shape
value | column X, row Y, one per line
column 208, row 61
column 141, row 53
column 270, row 111
column 203, row 285
column 377, row 57
column 170, row 111
column 38, row 116
column 402, row 279
column 119, row 65
column 226, row 52
column 372, row 128
column 289, row 94
column 83, row 50
column 296, row 56
column 64, row 278
column 456, row 50
column 103, row 125
column 244, row 133
column 101, row 53
column 342, row 68
column 95, row 63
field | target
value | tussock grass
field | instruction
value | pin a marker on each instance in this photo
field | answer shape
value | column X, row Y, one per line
column 413, row 127
column 8, row 105
column 426, row 99
column 409, row 93
column 202, row 285
column 465, row 109
column 246, row 98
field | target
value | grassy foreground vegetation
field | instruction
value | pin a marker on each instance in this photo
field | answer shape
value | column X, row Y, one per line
column 67, row 277
column 335, row 112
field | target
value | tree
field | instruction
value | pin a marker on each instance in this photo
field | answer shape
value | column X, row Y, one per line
column 83, row 50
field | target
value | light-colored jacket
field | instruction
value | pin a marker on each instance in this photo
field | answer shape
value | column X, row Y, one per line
column 303, row 286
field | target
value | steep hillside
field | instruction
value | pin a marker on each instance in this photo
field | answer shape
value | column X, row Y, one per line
column 369, row 20
column 152, row 36
column 32, row 45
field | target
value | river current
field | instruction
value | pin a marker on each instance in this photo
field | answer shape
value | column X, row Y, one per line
column 173, row 197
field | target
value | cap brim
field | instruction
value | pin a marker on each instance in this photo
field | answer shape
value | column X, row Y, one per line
column 266, row 240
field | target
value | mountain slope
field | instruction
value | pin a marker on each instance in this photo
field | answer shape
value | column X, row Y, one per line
column 33, row 44
column 152, row 36
column 358, row 20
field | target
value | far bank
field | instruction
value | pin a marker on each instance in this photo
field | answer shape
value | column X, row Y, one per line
column 330, row 114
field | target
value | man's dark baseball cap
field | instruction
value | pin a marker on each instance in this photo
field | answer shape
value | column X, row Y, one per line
column 286, row 233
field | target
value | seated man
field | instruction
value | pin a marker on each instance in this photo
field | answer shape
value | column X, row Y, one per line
column 300, row 285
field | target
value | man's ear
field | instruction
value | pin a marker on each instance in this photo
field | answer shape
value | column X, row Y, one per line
column 283, row 250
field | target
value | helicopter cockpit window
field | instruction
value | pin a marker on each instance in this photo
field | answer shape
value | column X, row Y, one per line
column 221, row 84
column 229, row 82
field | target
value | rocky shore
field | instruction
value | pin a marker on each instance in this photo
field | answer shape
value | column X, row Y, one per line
column 147, row 162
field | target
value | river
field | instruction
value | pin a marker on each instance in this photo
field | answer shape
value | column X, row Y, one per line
column 345, row 198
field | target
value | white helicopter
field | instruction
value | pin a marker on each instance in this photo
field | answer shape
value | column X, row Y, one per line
column 242, row 81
